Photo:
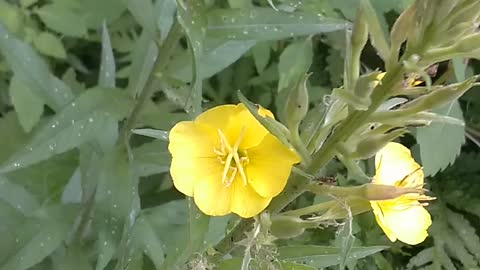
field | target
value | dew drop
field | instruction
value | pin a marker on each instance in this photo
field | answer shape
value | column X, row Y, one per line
column 115, row 206
column 90, row 120
column 73, row 104
column 105, row 243
column 17, row 240
column 245, row 32
column 42, row 244
column 16, row 164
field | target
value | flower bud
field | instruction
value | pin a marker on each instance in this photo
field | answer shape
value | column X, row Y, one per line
column 400, row 30
column 468, row 44
column 368, row 147
column 439, row 97
column 377, row 192
column 297, row 104
column 289, row 226
column 366, row 83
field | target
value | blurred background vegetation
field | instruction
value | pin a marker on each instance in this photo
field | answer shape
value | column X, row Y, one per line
column 47, row 152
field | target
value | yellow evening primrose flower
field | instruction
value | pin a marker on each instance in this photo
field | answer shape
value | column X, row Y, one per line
column 228, row 162
column 403, row 218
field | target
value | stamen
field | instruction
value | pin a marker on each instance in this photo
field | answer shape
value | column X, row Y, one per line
column 232, row 176
column 237, row 158
column 232, row 154
column 227, row 167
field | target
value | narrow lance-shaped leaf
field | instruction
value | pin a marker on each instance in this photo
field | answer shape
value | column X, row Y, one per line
column 217, row 55
column 107, row 64
column 323, row 256
column 116, row 205
column 377, row 35
column 268, row 24
column 83, row 120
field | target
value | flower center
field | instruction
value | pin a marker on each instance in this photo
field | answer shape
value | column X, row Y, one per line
column 233, row 160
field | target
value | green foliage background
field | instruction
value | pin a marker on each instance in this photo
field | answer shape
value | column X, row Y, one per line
column 71, row 73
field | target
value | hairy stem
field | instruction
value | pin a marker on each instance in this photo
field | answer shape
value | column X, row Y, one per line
column 298, row 184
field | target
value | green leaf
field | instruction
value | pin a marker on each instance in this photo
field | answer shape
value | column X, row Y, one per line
column 276, row 128
column 65, row 21
column 144, row 57
column 107, row 64
column 39, row 237
column 85, row 119
column 28, row 106
column 96, row 12
column 377, row 34
column 236, row 263
column 152, row 133
column 268, row 24
column 172, row 218
column 116, row 203
column 192, row 18
column 450, row 137
column 49, row 44
column 323, row 256
column 33, row 71
column 148, row 239
column 151, row 158
column 17, row 196
column 261, row 55
column 217, row 55
column 423, row 257
column 75, row 258
column 466, row 232
column 143, row 12
column 45, row 180
column 165, row 14
column 294, row 62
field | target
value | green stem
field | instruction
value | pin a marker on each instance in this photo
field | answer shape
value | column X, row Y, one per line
column 297, row 184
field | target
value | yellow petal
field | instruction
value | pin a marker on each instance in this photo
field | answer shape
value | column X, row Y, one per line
column 395, row 166
column 377, row 211
column 253, row 131
column 408, row 225
column 245, row 201
column 217, row 117
column 185, row 172
column 189, row 139
column 269, row 166
column 191, row 146
column 211, row 195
